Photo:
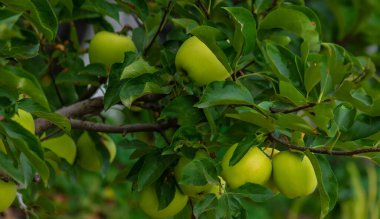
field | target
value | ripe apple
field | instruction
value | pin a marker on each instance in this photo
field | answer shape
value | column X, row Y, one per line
column 25, row 119
column 293, row 174
column 63, row 146
column 89, row 157
column 195, row 191
column 8, row 192
column 254, row 167
column 199, row 62
column 108, row 48
column 149, row 203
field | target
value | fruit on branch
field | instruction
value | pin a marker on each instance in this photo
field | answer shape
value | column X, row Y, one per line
column 23, row 118
column 63, row 146
column 253, row 167
column 89, row 158
column 199, row 62
column 8, row 192
column 293, row 174
column 149, row 203
column 195, row 191
column 108, row 48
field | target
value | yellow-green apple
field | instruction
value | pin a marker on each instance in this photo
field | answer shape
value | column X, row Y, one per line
column 8, row 191
column 148, row 201
column 195, row 191
column 199, row 62
column 293, row 174
column 63, row 146
column 108, row 48
column 271, row 152
column 254, row 167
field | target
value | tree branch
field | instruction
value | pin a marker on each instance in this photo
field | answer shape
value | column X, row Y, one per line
column 322, row 151
column 296, row 109
column 140, row 127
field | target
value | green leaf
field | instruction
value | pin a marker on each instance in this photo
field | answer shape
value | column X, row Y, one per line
column 299, row 20
column 288, row 91
column 225, row 93
column 7, row 22
column 284, row 64
column 153, row 167
column 7, row 167
column 327, row 183
column 293, row 122
column 250, row 115
column 40, row 12
column 182, row 108
column 344, row 115
column 363, row 126
column 23, row 47
column 315, row 65
column 17, row 79
column 57, row 119
column 199, row 171
column 94, row 69
column 137, row 68
column 102, row 7
column 254, row 192
column 242, row 148
column 245, row 29
column 185, row 23
column 165, row 190
column 140, row 86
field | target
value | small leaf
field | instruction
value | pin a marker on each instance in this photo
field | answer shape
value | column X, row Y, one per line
column 225, row 93
column 199, row 171
column 250, row 115
column 288, row 91
column 293, row 122
column 242, row 148
column 254, row 192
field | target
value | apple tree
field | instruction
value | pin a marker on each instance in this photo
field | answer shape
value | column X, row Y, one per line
column 189, row 108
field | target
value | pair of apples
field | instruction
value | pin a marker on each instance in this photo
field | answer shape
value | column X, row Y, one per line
column 290, row 172
column 193, row 57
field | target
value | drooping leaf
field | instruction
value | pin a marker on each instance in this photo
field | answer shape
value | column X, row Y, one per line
column 223, row 93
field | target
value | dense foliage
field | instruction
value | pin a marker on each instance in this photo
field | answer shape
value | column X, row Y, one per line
column 289, row 75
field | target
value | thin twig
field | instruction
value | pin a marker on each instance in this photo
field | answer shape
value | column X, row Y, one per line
column 296, row 109
column 160, row 27
column 322, row 151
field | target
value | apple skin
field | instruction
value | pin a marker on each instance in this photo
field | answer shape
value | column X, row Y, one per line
column 271, row 153
column 63, row 146
column 89, row 157
column 108, row 48
column 200, row 63
column 23, row 118
column 109, row 144
column 255, row 167
column 195, row 191
column 293, row 174
column 148, row 202
column 8, row 191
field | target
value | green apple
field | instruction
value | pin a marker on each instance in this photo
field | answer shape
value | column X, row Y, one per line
column 195, row 191
column 253, row 167
column 108, row 48
column 148, row 202
column 293, row 174
column 89, row 157
column 107, row 141
column 199, row 62
column 63, row 146
column 25, row 119
column 8, row 191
